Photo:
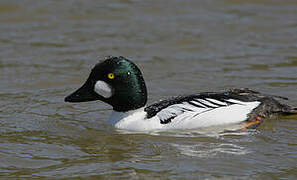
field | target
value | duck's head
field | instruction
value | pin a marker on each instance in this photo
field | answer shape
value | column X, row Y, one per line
column 116, row 81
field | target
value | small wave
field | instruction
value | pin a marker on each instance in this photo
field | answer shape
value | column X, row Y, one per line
column 204, row 150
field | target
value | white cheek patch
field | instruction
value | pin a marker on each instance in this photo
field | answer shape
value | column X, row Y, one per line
column 103, row 89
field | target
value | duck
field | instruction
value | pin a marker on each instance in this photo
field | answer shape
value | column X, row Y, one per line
column 118, row 82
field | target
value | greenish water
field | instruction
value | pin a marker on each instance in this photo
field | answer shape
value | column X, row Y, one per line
column 47, row 49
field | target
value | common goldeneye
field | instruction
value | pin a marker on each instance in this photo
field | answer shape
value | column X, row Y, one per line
column 119, row 82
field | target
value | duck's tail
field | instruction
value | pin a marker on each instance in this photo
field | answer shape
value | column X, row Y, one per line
column 288, row 110
column 270, row 105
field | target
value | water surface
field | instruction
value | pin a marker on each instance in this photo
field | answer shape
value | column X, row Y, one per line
column 47, row 49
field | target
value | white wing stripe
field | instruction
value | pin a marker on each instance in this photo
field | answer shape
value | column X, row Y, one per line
column 199, row 104
column 207, row 103
column 236, row 101
column 217, row 102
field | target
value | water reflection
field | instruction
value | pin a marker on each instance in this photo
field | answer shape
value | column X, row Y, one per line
column 48, row 47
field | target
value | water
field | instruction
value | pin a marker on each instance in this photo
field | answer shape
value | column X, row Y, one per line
column 48, row 47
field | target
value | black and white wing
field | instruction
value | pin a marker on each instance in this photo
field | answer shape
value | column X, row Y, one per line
column 220, row 107
column 189, row 108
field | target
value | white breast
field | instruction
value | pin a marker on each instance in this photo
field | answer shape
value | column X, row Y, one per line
column 134, row 120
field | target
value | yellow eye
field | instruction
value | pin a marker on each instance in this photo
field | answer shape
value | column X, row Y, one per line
column 110, row 76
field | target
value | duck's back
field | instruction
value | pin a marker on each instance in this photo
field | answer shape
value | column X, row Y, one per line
column 216, row 108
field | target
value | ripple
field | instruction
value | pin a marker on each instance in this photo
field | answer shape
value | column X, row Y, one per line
column 207, row 150
column 49, row 47
column 48, row 44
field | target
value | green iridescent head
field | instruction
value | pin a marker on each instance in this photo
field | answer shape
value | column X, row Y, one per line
column 116, row 81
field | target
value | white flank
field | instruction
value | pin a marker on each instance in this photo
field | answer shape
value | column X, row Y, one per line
column 184, row 116
column 205, row 117
column 103, row 89
column 235, row 113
